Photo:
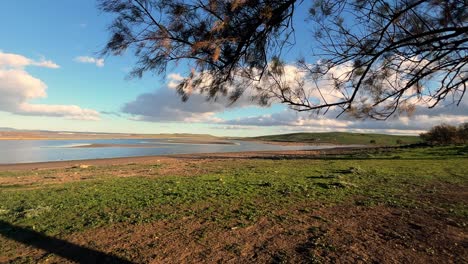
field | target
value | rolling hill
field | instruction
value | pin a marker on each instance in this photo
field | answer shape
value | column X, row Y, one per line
column 342, row 138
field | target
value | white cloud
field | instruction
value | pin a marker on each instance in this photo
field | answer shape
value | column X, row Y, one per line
column 46, row 64
column 174, row 80
column 290, row 120
column 86, row 59
column 164, row 105
column 17, row 87
column 15, row 61
column 175, row 77
column 68, row 111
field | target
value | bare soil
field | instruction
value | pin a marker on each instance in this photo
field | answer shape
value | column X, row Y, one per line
column 338, row 234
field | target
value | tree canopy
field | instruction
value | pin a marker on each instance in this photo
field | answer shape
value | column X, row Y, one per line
column 446, row 134
column 372, row 58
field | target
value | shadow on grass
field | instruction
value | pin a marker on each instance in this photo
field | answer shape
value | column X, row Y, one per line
column 57, row 246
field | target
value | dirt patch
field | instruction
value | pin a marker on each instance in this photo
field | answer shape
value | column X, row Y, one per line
column 391, row 235
column 338, row 234
column 89, row 170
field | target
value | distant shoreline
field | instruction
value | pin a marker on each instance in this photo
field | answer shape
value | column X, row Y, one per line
column 152, row 145
column 93, row 138
column 38, row 135
column 156, row 158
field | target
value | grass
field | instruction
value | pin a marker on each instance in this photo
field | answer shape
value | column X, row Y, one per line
column 238, row 192
column 343, row 138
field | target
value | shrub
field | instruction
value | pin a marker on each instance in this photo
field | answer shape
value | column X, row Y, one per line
column 463, row 133
column 446, row 134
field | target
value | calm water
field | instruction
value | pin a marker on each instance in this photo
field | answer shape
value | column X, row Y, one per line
column 23, row 151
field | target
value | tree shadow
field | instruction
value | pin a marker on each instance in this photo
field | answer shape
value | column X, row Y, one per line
column 57, row 246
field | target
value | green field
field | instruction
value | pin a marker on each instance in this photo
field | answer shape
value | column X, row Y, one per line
column 343, row 138
column 234, row 194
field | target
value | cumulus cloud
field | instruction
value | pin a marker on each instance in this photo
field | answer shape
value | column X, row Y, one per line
column 15, row 61
column 86, row 59
column 288, row 118
column 323, row 90
column 68, row 111
column 46, row 64
column 164, row 105
column 18, row 87
column 294, row 121
column 174, row 80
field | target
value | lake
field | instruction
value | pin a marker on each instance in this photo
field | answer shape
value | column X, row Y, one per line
column 25, row 151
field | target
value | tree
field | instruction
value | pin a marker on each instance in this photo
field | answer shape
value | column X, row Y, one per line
column 446, row 134
column 376, row 57
column 462, row 131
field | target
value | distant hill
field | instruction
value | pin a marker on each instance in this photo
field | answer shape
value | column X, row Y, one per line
column 15, row 134
column 343, row 138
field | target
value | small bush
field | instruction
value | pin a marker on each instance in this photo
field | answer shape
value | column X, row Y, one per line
column 446, row 134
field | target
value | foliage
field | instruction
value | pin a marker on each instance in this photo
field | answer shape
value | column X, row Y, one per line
column 395, row 54
column 376, row 57
column 446, row 134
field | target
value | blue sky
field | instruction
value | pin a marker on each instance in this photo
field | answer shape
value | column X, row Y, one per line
column 56, row 43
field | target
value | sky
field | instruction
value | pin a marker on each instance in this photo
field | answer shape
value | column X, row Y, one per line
column 52, row 78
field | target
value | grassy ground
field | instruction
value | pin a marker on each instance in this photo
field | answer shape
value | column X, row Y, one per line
column 344, row 138
column 213, row 209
